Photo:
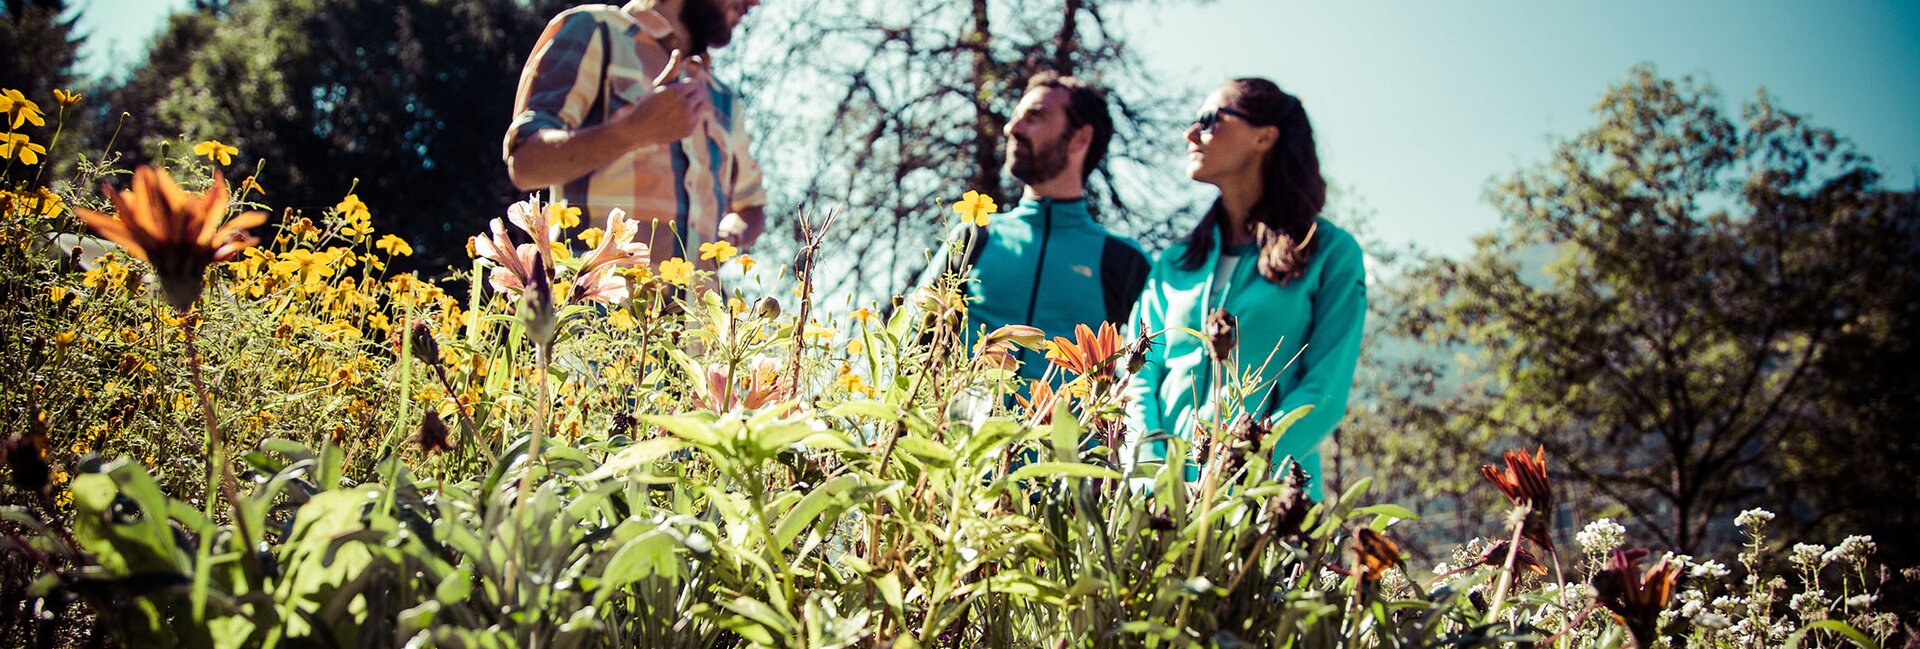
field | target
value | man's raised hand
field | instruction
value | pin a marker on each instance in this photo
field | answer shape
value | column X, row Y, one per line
column 671, row 111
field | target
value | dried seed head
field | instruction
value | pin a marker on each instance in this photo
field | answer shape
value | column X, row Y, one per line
column 1223, row 334
column 434, row 436
column 27, row 460
column 425, row 349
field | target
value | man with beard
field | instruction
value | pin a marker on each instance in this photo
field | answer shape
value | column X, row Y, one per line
column 1047, row 263
column 617, row 108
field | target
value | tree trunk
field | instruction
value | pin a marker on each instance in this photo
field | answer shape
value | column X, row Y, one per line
column 987, row 125
column 1067, row 43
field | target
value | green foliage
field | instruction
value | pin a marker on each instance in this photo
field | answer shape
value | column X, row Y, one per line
column 1672, row 309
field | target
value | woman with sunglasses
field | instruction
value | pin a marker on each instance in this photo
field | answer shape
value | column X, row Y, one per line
column 1295, row 283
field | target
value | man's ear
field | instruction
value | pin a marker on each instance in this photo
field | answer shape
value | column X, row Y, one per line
column 1083, row 138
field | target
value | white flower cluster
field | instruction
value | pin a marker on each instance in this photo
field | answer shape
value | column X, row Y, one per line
column 1753, row 519
column 1808, row 556
column 1863, row 600
column 1710, row 570
column 1601, row 536
column 1811, row 605
column 1853, row 550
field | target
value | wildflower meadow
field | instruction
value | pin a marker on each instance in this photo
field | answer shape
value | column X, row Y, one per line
column 239, row 425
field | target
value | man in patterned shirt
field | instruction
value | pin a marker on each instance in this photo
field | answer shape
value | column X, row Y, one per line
column 617, row 107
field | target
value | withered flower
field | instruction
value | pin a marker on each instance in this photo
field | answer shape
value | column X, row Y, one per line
column 1495, row 556
column 1287, row 511
column 1090, row 354
column 434, row 436
column 1223, row 334
column 996, row 348
column 1243, row 436
column 1524, row 481
column 1636, row 599
column 27, row 460
column 178, row 233
column 767, row 309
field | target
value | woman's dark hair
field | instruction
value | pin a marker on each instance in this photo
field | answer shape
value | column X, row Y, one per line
column 1292, row 192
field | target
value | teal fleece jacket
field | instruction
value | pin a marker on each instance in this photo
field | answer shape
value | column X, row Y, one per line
column 1046, row 263
column 1324, row 310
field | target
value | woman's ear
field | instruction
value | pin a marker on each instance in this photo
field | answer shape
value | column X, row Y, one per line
column 1266, row 137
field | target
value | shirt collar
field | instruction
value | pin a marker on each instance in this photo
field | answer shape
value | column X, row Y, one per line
column 653, row 23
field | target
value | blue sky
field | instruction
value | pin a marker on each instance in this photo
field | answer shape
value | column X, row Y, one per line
column 1418, row 105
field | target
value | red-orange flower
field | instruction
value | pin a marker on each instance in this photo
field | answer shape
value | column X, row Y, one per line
column 179, row 233
column 1636, row 599
column 1524, row 481
column 1039, row 408
column 1374, row 554
column 1091, row 354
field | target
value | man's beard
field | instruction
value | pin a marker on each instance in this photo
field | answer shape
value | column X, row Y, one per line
column 1033, row 165
column 706, row 24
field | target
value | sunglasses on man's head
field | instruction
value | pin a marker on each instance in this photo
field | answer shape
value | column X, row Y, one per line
column 1207, row 120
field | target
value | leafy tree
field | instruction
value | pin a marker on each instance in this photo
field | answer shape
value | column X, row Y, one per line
column 37, row 48
column 887, row 109
column 1693, row 313
column 407, row 98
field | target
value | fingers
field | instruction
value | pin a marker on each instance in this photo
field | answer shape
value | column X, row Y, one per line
column 670, row 73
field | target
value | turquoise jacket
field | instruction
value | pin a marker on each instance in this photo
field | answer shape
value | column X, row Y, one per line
column 1324, row 309
column 1046, row 263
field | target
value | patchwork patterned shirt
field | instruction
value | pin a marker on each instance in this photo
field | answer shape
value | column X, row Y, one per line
column 595, row 60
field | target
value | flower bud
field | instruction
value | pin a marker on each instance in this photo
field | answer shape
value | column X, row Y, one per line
column 769, row 308
column 1223, row 334
column 425, row 349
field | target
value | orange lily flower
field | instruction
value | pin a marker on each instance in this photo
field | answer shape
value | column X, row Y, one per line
column 179, row 233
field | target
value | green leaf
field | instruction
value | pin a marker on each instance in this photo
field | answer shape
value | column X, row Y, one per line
column 927, row 450
column 889, row 587
column 1063, row 470
column 867, row 409
column 1859, row 639
column 1066, row 433
column 695, row 429
column 801, row 518
column 1387, row 510
column 633, row 458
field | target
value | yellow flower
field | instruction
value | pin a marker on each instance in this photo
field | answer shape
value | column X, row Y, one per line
column 306, row 230
column 857, row 346
column 302, row 266
column 58, row 293
column 719, row 251
column 591, row 237
column 23, row 110
column 215, row 152
column 380, row 321
column 975, row 207
column 676, row 271
column 864, row 315
column 17, row 144
column 851, row 382
column 63, row 339
column 563, row 215
column 737, row 306
column 746, row 263
column 252, row 184
column 66, row 98
column 350, row 205
column 395, row 246
column 622, row 320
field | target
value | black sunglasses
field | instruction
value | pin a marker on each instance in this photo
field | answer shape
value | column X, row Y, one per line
column 1207, row 120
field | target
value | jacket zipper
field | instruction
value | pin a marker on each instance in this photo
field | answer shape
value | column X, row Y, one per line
column 1046, row 232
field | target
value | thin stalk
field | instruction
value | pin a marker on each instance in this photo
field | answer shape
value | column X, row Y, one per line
column 1506, row 569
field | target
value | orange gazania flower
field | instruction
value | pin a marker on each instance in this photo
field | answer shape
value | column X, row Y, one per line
column 1524, row 481
column 179, row 233
column 1091, row 354
column 1039, row 408
column 1373, row 554
column 1636, row 600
